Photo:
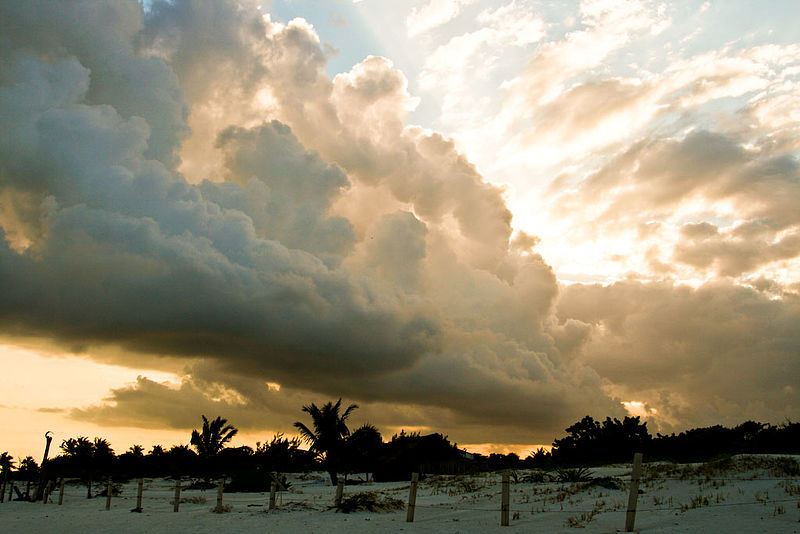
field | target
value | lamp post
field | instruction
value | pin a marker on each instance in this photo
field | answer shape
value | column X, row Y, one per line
column 48, row 436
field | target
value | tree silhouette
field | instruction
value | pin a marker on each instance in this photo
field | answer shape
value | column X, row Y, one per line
column 283, row 455
column 363, row 448
column 102, row 455
column 6, row 463
column 328, row 437
column 213, row 437
column 28, row 471
column 182, row 460
column 211, row 440
column 132, row 461
column 89, row 458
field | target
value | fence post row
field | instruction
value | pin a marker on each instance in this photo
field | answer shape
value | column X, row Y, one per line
column 412, row 497
column 177, row 500
column 636, row 474
column 504, row 507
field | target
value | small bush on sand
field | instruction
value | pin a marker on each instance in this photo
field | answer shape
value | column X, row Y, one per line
column 370, row 501
column 577, row 474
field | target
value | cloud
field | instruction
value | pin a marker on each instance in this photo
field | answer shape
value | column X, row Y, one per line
column 285, row 190
column 233, row 209
column 234, row 250
column 703, row 176
column 463, row 70
column 179, row 406
column 738, row 250
column 433, row 14
column 103, row 36
column 687, row 351
column 51, row 410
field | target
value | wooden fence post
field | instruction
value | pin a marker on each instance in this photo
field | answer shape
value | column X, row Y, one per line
column 61, row 493
column 636, row 474
column 48, row 488
column 504, row 506
column 220, row 489
column 139, row 491
column 412, row 498
column 177, row 501
column 108, row 494
column 339, row 493
column 272, row 489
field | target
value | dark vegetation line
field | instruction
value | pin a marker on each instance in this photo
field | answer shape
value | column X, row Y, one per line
column 362, row 455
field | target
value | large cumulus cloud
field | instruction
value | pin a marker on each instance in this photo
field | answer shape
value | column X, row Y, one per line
column 163, row 217
column 190, row 183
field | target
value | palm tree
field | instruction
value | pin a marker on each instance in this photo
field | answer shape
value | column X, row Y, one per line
column 6, row 463
column 80, row 452
column 213, row 437
column 210, row 441
column 330, row 430
column 28, row 470
column 363, row 449
column 102, row 454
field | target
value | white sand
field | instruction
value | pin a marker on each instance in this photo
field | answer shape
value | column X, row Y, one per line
column 752, row 500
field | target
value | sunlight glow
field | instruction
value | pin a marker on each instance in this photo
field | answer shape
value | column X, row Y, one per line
column 640, row 409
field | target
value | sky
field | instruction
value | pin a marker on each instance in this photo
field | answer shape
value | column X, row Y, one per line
column 481, row 218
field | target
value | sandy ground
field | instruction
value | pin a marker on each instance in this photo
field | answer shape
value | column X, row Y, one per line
column 743, row 498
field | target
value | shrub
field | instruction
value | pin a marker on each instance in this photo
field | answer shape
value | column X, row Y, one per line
column 370, row 501
column 577, row 474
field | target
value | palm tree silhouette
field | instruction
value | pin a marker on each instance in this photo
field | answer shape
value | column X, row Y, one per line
column 80, row 452
column 28, row 471
column 213, row 437
column 362, row 450
column 6, row 463
column 328, row 436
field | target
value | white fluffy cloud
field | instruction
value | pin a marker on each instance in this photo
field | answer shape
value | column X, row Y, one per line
column 432, row 14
